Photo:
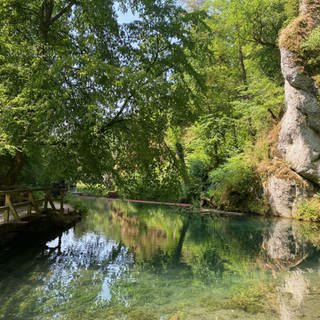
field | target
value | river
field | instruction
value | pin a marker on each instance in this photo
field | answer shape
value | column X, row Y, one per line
column 142, row 262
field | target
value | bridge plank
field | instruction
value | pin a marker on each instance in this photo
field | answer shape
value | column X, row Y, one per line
column 21, row 204
column 22, row 190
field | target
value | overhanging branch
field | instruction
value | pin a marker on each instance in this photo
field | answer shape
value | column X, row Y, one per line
column 63, row 11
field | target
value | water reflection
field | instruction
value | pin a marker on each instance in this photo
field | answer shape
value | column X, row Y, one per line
column 292, row 294
column 285, row 246
column 136, row 262
column 104, row 260
column 292, row 246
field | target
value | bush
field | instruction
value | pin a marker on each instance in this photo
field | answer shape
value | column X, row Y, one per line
column 236, row 186
column 309, row 209
column 197, row 180
column 157, row 186
column 92, row 189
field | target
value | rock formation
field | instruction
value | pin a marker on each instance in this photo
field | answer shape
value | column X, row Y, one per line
column 284, row 194
column 299, row 137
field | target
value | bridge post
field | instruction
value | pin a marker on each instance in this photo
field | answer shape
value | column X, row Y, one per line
column 33, row 202
column 6, row 214
column 12, row 209
column 61, row 200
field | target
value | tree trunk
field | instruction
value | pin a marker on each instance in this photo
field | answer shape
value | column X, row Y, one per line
column 46, row 18
column 242, row 66
column 15, row 169
column 183, row 232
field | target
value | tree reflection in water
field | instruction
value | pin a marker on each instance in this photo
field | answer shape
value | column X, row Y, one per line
column 138, row 262
column 105, row 258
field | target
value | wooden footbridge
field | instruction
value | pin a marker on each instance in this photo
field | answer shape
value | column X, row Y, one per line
column 18, row 203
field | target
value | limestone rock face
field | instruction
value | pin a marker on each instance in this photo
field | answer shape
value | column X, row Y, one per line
column 284, row 195
column 299, row 138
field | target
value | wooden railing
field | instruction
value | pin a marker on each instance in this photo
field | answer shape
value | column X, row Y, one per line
column 12, row 199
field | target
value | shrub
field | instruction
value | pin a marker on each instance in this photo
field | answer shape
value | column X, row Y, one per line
column 309, row 209
column 311, row 52
column 157, row 185
column 197, row 180
column 236, row 186
column 92, row 189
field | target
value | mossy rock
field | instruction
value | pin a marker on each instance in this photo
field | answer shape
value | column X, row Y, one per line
column 296, row 33
column 299, row 29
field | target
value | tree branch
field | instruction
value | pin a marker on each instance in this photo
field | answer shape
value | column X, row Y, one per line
column 63, row 11
column 116, row 119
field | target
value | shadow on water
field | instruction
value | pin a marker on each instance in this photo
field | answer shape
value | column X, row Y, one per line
column 125, row 261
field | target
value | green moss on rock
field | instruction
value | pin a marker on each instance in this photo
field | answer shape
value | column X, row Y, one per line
column 296, row 33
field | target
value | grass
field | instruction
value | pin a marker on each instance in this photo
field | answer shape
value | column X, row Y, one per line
column 309, row 209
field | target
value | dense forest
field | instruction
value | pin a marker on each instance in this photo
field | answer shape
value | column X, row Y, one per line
column 181, row 102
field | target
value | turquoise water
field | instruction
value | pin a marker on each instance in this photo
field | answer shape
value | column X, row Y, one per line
column 125, row 261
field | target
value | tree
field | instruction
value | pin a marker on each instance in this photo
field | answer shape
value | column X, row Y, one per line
column 82, row 94
column 244, row 94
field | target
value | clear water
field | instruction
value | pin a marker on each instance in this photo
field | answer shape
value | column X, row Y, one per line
column 125, row 261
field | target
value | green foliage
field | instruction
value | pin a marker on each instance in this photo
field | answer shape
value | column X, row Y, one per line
column 309, row 209
column 154, row 104
column 236, row 186
column 291, row 8
column 82, row 94
column 92, row 189
column 217, row 137
column 197, row 182
column 156, row 183
column 311, row 51
column 252, row 27
column 313, row 41
column 244, row 99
